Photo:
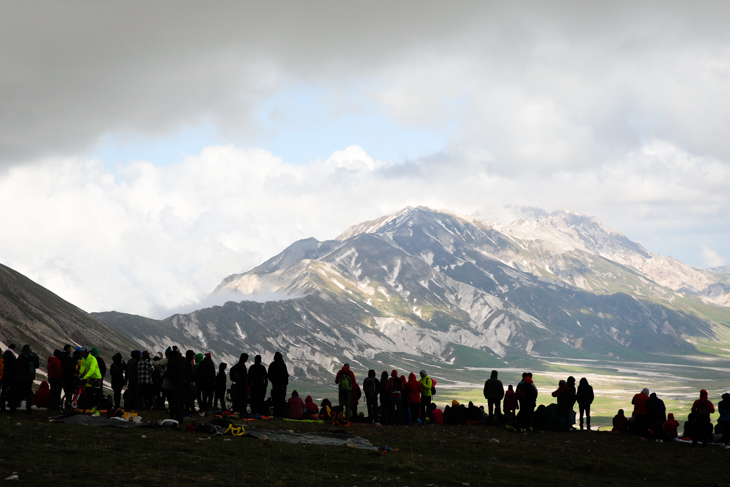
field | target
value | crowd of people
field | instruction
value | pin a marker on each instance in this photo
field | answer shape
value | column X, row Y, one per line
column 189, row 383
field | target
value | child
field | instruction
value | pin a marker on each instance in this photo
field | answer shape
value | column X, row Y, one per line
column 220, row 387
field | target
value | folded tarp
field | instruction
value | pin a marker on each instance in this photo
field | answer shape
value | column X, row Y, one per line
column 325, row 439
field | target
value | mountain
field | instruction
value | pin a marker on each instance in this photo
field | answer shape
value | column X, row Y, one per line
column 431, row 287
column 31, row 314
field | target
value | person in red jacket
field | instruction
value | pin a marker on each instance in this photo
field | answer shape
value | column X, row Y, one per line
column 42, row 396
column 671, row 426
column 310, row 408
column 55, row 376
column 413, row 396
column 345, row 379
column 510, row 406
column 620, row 422
column 296, row 406
column 702, row 427
column 640, row 415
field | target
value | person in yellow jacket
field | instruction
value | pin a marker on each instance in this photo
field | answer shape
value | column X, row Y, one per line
column 91, row 374
column 426, row 392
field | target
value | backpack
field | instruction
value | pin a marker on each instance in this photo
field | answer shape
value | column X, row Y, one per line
column 345, row 383
column 395, row 386
column 370, row 387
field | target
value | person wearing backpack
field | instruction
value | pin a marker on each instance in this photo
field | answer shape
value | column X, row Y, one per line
column 24, row 369
column 345, row 379
column 395, row 392
column 371, row 386
column 427, row 390
column 701, row 411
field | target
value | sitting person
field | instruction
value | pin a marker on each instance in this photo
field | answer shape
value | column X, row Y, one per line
column 42, row 397
column 435, row 414
column 620, row 422
column 310, row 408
column 296, row 406
column 671, row 426
column 325, row 411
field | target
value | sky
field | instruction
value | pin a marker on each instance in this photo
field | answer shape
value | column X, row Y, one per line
column 150, row 149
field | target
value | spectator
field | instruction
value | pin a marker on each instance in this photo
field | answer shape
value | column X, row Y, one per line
column 493, row 393
column 585, row 397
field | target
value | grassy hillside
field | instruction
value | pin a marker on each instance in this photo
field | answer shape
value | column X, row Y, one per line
column 43, row 453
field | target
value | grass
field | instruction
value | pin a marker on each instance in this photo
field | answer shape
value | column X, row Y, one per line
column 43, row 453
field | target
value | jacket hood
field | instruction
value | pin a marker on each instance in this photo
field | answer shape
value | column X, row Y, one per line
column 454, row 403
column 528, row 379
column 44, row 385
column 294, row 393
column 645, row 391
column 308, row 399
column 117, row 358
column 670, row 416
column 412, row 377
column 278, row 357
column 394, row 373
column 494, row 374
column 703, row 395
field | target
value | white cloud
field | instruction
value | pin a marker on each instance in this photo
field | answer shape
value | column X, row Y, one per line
column 711, row 258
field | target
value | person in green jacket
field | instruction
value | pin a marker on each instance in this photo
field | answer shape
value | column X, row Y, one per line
column 426, row 392
column 91, row 375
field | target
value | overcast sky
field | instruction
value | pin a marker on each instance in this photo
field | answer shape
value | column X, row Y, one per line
column 150, row 149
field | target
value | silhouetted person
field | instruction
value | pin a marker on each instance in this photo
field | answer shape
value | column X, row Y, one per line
column 641, row 418
column 656, row 414
column 493, row 393
column 702, row 408
column 239, row 384
column 279, row 377
column 117, row 371
column 258, row 383
column 585, row 397
column 221, row 384
column 205, row 381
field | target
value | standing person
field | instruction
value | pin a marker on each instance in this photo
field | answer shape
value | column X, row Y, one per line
column 426, row 392
column 723, row 422
column 174, row 379
column 68, row 380
column 131, row 398
column 413, row 396
column 641, row 418
column 384, row 397
column 371, row 387
column 493, row 393
column 145, row 369
column 585, row 398
column 239, row 384
column 190, row 389
column 55, row 377
column 561, row 417
column 9, row 358
column 24, row 371
column 395, row 392
column 221, row 385
column 206, row 381
column 527, row 397
column 657, row 414
column 702, row 408
column 91, row 375
column 510, row 406
column 102, row 367
column 117, row 372
column 258, row 382
column 279, row 377
column 345, row 380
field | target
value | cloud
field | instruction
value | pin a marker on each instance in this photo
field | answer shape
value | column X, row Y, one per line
column 711, row 258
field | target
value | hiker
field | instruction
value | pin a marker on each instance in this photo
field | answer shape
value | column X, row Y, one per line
column 345, row 379
column 670, row 427
column 384, row 398
column 9, row 358
column 279, row 377
column 68, row 380
column 258, row 382
column 191, row 390
column 509, row 406
column 205, row 381
column 527, row 400
column 54, row 368
column 494, row 393
column 239, row 384
column 371, row 387
column 102, row 365
column 311, row 411
column 436, row 414
column 220, row 387
column 562, row 394
column 117, row 372
column 355, row 400
column 413, row 396
column 296, row 406
column 325, row 411
column 641, row 419
column 158, row 393
column 145, row 368
column 427, row 390
column 620, row 422
column 174, row 382
column 702, row 408
column 131, row 396
column 394, row 387
column 91, row 375
column 656, row 414
column 584, row 396
column 723, row 422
